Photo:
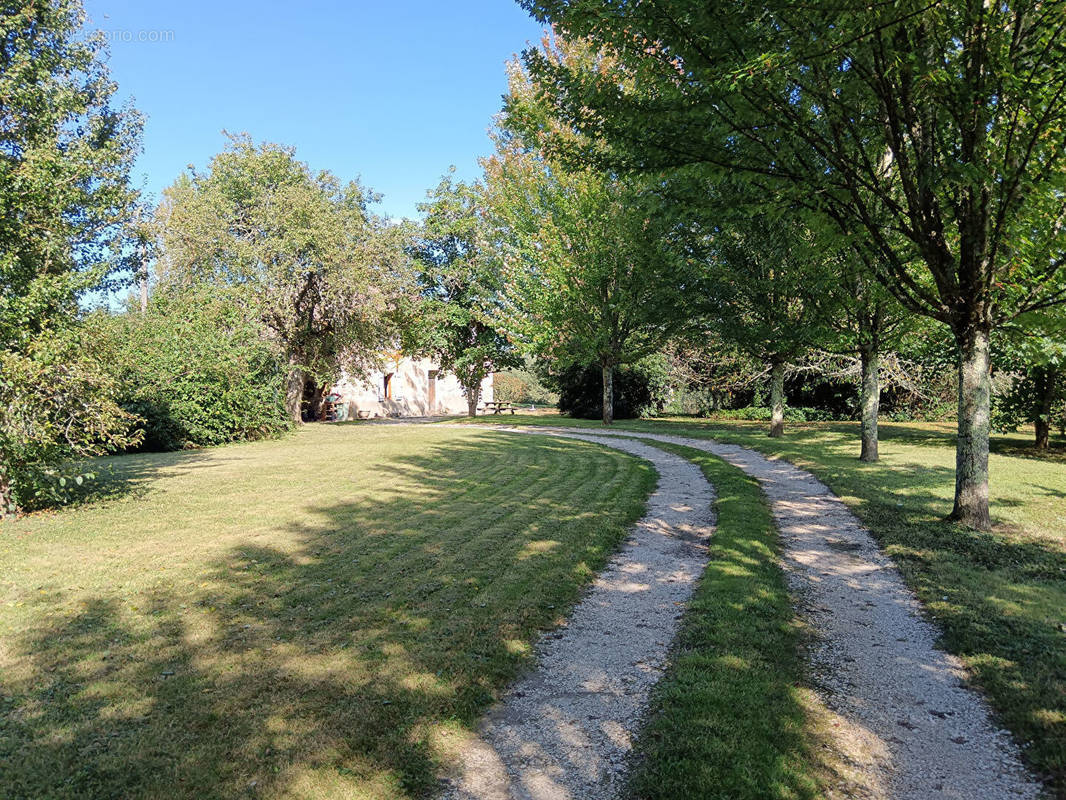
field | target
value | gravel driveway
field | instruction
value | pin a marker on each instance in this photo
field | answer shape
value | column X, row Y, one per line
column 565, row 729
column 908, row 727
column 916, row 730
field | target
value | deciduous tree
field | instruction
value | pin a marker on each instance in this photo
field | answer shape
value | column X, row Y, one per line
column 597, row 270
column 315, row 264
column 65, row 199
column 456, row 317
column 937, row 130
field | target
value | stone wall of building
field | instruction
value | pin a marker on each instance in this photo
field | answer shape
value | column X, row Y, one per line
column 407, row 388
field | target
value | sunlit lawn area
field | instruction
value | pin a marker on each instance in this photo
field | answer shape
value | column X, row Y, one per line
column 314, row 617
column 1000, row 597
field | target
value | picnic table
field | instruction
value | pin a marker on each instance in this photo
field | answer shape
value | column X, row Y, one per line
column 498, row 407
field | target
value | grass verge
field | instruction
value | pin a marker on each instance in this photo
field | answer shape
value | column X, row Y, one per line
column 729, row 719
column 318, row 617
column 999, row 597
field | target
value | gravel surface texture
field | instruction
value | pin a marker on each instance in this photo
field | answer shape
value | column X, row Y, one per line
column 875, row 662
column 565, row 729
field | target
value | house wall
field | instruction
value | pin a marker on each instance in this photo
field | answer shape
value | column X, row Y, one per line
column 410, row 385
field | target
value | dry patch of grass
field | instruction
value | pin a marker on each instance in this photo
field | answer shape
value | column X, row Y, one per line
column 322, row 616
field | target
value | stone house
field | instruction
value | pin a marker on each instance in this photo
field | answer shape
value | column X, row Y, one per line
column 406, row 388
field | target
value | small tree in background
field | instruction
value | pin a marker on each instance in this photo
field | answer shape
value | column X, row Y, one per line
column 763, row 294
column 1035, row 357
column 862, row 319
column 455, row 318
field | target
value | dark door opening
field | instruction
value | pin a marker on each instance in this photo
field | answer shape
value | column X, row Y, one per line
column 311, row 403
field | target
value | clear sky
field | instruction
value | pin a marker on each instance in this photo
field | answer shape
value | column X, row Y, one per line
column 393, row 92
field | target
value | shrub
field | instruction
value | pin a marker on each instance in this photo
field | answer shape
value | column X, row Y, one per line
column 58, row 406
column 638, row 390
column 196, row 370
column 522, row 386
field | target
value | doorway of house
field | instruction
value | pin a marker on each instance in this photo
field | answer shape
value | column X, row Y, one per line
column 431, row 392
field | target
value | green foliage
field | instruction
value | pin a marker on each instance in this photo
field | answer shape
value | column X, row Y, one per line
column 58, row 405
column 454, row 319
column 594, row 265
column 814, row 103
column 766, row 278
column 1024, row 401
column 65, row 198
column 1034, row 357
column 522, row 386
column 926, row 138
column 309, row 259
column 196, row 370
column 638, row 390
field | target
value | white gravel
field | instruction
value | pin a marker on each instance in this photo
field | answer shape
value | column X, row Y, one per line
column 875, row 662
column 564, row 730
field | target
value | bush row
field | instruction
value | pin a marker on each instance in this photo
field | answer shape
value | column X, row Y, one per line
column 195, row 370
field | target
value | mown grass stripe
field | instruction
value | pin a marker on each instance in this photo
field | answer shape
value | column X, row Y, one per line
column 728, row 719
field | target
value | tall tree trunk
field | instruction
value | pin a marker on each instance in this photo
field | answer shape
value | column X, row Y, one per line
column 870, row 400
column 971, row 450
column 608, row 394
column 777, row 398
column 1045, row 385
column 294, row 390
column 473, row 396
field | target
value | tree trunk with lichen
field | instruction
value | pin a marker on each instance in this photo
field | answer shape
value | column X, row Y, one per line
column 777, row 398
column 971, row 449
column 870, row 400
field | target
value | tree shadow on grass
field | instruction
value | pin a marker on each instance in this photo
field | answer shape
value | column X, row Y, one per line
column 997, row 596
column 336, row 666
column 132, row 475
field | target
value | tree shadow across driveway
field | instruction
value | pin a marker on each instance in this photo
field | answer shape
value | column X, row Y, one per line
column 340, row 657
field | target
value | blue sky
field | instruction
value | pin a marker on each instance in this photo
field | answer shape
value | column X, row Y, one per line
column 394, row 92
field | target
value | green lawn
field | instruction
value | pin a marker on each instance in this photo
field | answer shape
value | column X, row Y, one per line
column 327, row 615
column 1000, row 597
column 321, row 616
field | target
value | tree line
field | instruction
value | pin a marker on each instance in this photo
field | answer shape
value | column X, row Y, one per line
column 738, row 187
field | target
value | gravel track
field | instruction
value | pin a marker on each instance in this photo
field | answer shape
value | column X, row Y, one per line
column 910, row 727
column 564, row 730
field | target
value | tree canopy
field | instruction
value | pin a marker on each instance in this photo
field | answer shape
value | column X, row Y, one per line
column 316, row 266
column 65, row 197
column 456, row 316
column 931, row 137
column 597, row 271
